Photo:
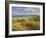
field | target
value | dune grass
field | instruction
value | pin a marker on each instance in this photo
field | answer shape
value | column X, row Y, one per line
column 26, row 23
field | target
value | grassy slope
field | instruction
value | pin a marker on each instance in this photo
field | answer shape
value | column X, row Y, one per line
column 26, row 23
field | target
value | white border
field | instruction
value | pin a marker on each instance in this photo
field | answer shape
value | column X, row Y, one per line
column 25, row 32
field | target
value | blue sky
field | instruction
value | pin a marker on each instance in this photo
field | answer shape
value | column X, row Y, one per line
column 25, row 11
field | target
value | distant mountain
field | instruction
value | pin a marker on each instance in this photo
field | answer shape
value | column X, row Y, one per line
column 24, row 15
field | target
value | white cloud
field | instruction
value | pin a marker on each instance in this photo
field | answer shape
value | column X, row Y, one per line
column 27, row 9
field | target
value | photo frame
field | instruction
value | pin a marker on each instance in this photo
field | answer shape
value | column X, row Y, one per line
column 23, row 10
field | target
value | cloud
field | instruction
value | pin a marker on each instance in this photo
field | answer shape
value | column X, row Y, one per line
column 25, row 11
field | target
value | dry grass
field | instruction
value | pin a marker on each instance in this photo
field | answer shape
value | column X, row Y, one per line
column 27, row 23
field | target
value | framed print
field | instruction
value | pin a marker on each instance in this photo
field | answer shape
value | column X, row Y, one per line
column 24, row 18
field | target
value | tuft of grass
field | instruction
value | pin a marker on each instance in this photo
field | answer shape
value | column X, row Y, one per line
column 27, row 23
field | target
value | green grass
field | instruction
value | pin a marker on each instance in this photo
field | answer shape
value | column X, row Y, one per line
column 26, row 23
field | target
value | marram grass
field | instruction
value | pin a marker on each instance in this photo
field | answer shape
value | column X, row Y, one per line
column 26, row 23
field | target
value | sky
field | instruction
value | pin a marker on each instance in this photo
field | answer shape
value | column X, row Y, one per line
column 25, row 11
